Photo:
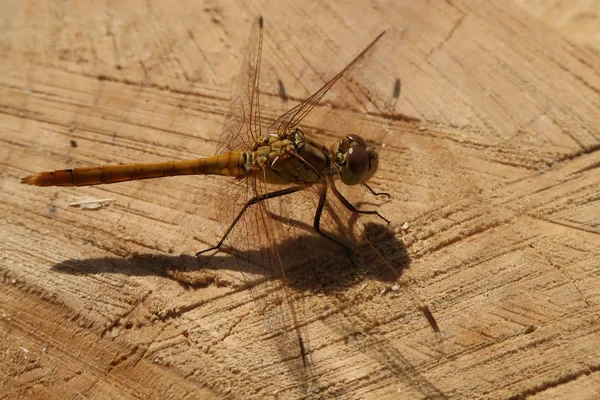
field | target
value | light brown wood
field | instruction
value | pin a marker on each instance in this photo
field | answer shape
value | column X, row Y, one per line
column 579, row 20
column 491, row 156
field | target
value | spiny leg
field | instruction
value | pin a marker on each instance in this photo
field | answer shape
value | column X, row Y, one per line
column 317, row 222
column 254, row 200
column 353, row 209
column 376, row 193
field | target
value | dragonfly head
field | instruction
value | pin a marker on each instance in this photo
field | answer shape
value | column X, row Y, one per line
column 356, row 159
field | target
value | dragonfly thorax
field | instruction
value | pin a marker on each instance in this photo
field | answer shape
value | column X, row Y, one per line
column 293, row 158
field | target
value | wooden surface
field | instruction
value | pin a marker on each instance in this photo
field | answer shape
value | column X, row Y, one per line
column 491, row 156
column 579, row 20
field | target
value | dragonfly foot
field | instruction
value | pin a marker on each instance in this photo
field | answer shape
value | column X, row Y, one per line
column 389, row 196
column 198, row 254
column 383, row 218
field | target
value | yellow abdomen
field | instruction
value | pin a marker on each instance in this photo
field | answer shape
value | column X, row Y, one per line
column 227, row 164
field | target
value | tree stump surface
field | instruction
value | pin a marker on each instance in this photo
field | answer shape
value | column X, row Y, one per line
column 491, row 155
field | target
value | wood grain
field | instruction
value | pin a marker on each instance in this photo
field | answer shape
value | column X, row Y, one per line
column 577, row 20
column 491, row 156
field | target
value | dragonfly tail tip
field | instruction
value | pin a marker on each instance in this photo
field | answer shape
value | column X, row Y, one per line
column 33, row 180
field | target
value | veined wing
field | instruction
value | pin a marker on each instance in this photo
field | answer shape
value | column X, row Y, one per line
column 254, row 239
column 268, row 226
column 241, row 129
column 292, row 118
column 336, row 220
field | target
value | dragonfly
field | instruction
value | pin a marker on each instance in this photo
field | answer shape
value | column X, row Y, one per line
column 265, row 165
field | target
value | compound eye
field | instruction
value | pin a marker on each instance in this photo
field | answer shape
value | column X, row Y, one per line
column 357, row 166
column 357, row 139
column 358, row 160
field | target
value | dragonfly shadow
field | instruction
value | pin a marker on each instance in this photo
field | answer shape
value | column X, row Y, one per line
column 380, row 256
column 281, row 90
column 324, row 266
column 135, row 265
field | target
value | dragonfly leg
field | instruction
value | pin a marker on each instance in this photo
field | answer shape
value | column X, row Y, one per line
column 376, row 193
column 353, row 209
column 252, row 201
column 317, row 221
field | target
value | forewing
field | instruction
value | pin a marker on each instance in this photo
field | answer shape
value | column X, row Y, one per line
column 293, row 117
column 241, row 128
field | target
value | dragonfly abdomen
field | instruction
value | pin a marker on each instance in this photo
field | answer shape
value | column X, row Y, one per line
column 227, row 164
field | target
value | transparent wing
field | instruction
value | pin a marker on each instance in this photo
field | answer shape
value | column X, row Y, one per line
column 292, row 118
column 257, row 241
column 241, row 129
column 268, row 238
column 254, row 239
